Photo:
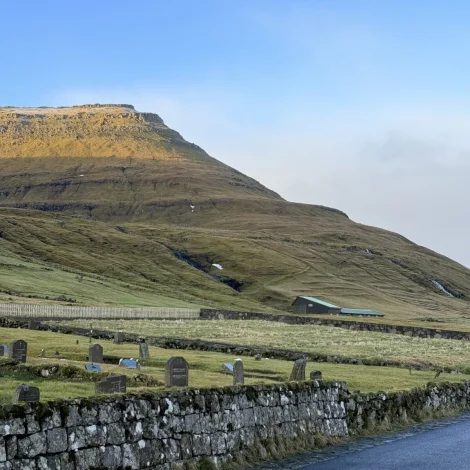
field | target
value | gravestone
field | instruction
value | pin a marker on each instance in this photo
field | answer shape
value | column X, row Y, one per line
column 227, row 367
column 129, row 363
column 19, row 350
column 113, row 384
column 33, row 324
column 3, row 350
column 26, row 393
column 43, row 353
column 258, row 357
column 144, row 350
column 93, row 368
column 238, row 372
column 298, row 371
column 118, row 337
column 315, row 375
column 76, row 342
column 95, row 353
column 176, row 372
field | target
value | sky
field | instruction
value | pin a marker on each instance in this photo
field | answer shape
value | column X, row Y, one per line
column 359, row 105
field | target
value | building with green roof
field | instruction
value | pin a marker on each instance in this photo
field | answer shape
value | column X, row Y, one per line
column 304, row 304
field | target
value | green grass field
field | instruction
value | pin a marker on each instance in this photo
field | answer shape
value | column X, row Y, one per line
column 205, row 368
column 314, row 339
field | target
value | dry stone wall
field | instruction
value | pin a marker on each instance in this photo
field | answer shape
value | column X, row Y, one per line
column 414, row 331
column 165, row 431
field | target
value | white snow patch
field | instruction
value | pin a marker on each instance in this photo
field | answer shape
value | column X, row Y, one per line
column 81, row 175
column 141, row 444
column 217, row 265
column 442, row 288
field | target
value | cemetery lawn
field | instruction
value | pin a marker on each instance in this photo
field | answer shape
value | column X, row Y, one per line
column 205, row 368
column 309, row 338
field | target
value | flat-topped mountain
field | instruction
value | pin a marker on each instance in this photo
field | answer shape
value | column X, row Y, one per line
column 106, row 192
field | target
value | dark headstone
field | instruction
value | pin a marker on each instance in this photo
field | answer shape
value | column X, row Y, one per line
column 3, row 350
column 238, row 372
column 57, row 353
column 227, row 367
column 26, row 393
column 19, row 350
column 176, row 372
column 113, row 384
column 93, row 368
column 118, row 337
column 315, row 375
column 298, row 371
column 258, row 357
column 130, row 363
column 33, row 324
column 76, row 342
column 95, row 353
column 144, row 351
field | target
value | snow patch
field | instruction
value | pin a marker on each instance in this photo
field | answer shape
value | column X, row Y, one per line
column 217, row 265
column 442, row 288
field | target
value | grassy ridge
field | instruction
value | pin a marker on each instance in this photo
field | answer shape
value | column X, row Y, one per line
column 115, row 192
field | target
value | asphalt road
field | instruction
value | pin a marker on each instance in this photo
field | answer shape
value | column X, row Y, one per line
column 436, row 445
column 436, row 449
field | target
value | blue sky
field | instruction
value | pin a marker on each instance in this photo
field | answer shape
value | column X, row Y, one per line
column 359, row 105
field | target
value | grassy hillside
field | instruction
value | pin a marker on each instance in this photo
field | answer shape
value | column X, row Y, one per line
column 104, row 205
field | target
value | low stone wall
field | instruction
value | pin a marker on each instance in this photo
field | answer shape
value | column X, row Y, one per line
column 414, row 331
column 203, row 429
column 166, row 430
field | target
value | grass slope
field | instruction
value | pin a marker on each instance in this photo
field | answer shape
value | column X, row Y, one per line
column 315, row 339
column 205, row 368
column 115, row 192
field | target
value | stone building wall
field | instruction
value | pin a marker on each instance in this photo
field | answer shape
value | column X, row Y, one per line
column 164, row 431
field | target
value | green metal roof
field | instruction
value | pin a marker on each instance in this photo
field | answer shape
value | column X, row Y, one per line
column 318, row 301
column 360, row 311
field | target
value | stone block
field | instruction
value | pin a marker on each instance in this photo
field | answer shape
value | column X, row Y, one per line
column 32, row 446
column 57, row 440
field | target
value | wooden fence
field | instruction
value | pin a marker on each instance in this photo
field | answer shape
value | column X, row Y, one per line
column 101, row 313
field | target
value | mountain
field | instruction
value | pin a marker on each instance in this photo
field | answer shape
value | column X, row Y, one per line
column 104, row 204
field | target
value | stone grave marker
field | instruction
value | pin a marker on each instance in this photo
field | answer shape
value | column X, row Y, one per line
column 298, row 371
column 26, row 393
column 315, row 375
column 144, row 350
column 238, row 372
column 33, row 324
column 130, row 363
column 95, row 353
column 176, row 372
column 93, row 368
column 43, row 353
column 3, row 349
column 19, row 350
column 113, row 384
column 118, row 337
column 258, row 357
column 227, row 367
